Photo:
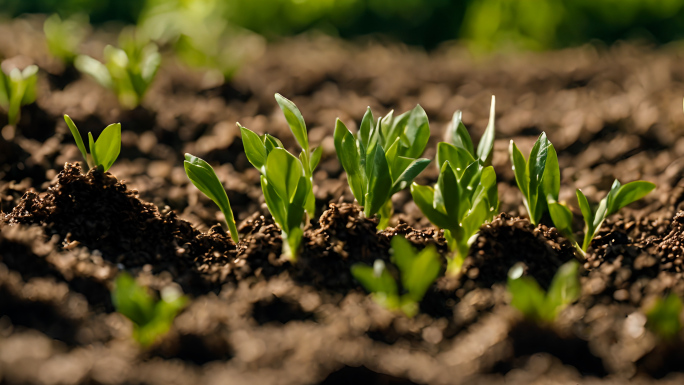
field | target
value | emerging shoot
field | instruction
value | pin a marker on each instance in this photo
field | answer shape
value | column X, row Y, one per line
column 104, row 151
column 531, row 300
column 418, row 271
column 202, row 175
column 286, row 180
column 65, row 35
column 151, row 318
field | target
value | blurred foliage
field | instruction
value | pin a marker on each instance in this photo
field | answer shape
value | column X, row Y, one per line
column 484, row 24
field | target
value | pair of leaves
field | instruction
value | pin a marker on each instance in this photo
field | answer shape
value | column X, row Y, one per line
column 104, row 151
column 538, row 178
column 17, row 89
column 458, row 137
column 418, row 270
column 128, row 73
column 535, row 304
column 151, row 318
column 459, row 203
column 382, row 158
column 202, row 175
column 618, row 197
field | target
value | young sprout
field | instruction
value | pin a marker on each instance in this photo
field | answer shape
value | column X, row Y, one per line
column 618, row 197
column 465, row 195
column 64, row 36
column 382, row 158
column 104, row 151
column 128, row 71
column 286, row 180
column 151, row 318
column 202, row 175
column 17, row 89
column 531, row 300
column 418, row 271
column 663, row 316
column 538, row 178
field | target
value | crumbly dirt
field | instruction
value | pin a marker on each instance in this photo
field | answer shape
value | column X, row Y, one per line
column 65, row 233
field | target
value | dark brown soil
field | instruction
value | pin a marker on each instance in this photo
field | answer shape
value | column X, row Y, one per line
column 254, row 318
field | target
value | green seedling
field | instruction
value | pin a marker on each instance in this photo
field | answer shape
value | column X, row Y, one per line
column 465, row 195
column 538, row 178
column 531, row 300
column 127, row 71
column 418, row 271
column 64, row 36
column 151, row 318
column 17, row 89
column 663, row 316
column 104, row 151
column 202, row 175
column 618, row 197
column 286, row 180
column 382, row 158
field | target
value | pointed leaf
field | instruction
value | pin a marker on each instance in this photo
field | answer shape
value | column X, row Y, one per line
column 520, row 170
column 77, row 137
column 459, row 136
column 409, row 174
column 283, row 172
column 565, row 289
column 486, row 145
column 276, row 206
column 526, row 294
column 551, row 178
column 315, row 158
column 108, row 146
column 295, row 120
column 458, row 157
column 202, row 175
column 628, row 193
column 379, row 183
column 93, row 149
column 562, row 218
column 348, row 154
column 423, row 196
column 424, row 270
column 255, row 150
column 366, row 128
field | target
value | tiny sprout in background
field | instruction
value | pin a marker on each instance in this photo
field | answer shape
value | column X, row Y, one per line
column 418, row 270
column 382, row 158
column 664, row 316
column 202, row 175
column 104, row 151
column 65, row 35
column 128, row 71
column 539, row 306
column 151, row 318
column 17, row 89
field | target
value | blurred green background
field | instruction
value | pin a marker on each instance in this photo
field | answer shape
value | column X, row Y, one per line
column 485, row 25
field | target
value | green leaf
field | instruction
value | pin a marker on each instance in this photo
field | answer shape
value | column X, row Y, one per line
column 447, row 195
column 203, row 176
column 588, row 215
column 295, row 120
column 551, row 178
column 526, row 294
column 521, row 175
column 424, row 196
column 255, row 150
column 486, row 145
column 108, row 146
column 93, row 149
column 663, row 317
column 409, row 174
column 315, row 158
column 366, row 128
column 535, row 169
column 77, row 137
column 348, row 154
column 403, row 253
column 458, row 157
column 283, row 171
column 459, row 136
column 379, row 183
column 488, row 182
column 376, row 279
column 628, row 193
column 565, row 289
column 271, row 142
column 562, row 219
column 416, row 134
column 424, row 270
column 95, row 69
column 295, row 211
column 276, row 206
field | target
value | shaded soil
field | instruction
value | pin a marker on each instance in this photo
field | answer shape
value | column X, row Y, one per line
column 254, row 318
